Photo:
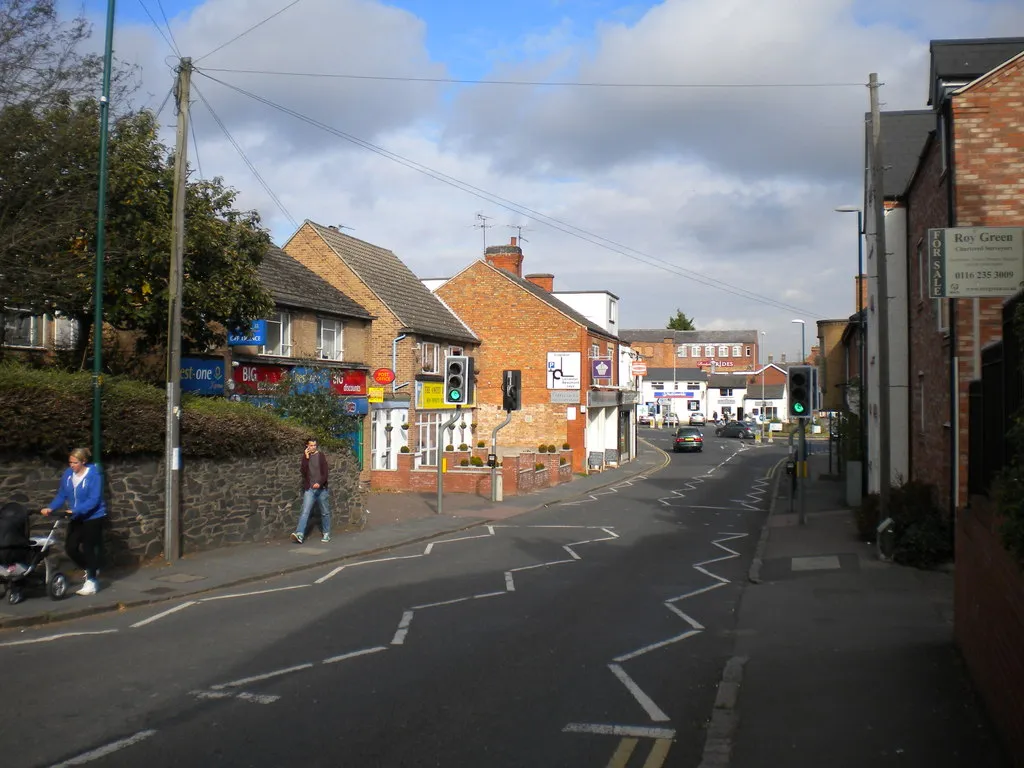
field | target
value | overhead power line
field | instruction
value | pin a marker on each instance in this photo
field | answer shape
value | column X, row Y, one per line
column 246, row 160
column 510, row 205
column 168, row 40
column 247, row 31
column 170, row 32
column 532, row 83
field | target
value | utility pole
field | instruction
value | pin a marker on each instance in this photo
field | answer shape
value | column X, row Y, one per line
column 877, row 201
column 172, row 458
column 101, row 223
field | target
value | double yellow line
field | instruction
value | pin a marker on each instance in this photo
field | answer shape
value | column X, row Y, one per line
column 626, row 747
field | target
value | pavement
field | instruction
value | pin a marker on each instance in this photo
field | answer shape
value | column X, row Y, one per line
column 842, row 659
column 394, row 519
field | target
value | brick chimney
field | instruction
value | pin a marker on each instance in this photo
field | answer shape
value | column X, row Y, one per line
column 507, row 257
column 771, row 359
column 545, row 281
column 782, row 357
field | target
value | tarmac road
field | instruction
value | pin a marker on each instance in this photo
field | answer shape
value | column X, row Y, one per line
column 590, row 633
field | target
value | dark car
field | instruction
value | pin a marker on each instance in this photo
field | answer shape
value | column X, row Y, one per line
column 688, row 439
column 736, row 429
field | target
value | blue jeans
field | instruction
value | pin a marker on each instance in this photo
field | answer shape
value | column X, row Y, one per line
column 309, row 498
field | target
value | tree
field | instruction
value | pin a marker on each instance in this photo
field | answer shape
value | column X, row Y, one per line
column 48, row 181
column 680, row 322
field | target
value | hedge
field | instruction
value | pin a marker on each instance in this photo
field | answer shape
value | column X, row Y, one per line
column 46, row 412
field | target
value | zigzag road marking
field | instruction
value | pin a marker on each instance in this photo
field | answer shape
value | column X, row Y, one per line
column 608, row 491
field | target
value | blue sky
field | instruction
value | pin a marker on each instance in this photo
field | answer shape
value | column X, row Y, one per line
column 699, row 189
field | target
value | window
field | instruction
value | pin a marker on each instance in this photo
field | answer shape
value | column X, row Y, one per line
column 725, row 392
column 723, row 350
column 695, row 350
column 709, row 350
column 456, row 350
column 595, row 351
column 610, row 351
column 748, row 352
column 23, row 330
column 658, row 384
column 65, row 333
column 770, row 412
column 735, row 350
column 279, row 336
column 428, row 357
column 681, row 350
column 330, row 334
column 693, row 387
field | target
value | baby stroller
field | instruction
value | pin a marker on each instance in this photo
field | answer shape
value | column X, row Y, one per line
column 28, row 561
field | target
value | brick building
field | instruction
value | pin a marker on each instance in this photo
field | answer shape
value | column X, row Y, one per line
column 411, row 333
column 832, row 373
column 560, row 352
column 710, row 351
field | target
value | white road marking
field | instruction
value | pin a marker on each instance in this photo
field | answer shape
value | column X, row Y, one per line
column 638, row 731
column 61, row 636
column 212, row 694
column 439, row 603
column 109, row 749
column 539, row 565
column 568, row 548
column 689, row 620
column 431, row 545
column 341, row 568
column 253, row 593
column 159, row 616
column 655, row 646
column 489, row 594
column 510, row 585
column 642, row 698
column 403, row 629
column 354, row 654
column 257, row 698
column 260, row 678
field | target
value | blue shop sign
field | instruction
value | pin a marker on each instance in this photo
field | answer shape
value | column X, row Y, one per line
column 256, row 337
column 203, row 377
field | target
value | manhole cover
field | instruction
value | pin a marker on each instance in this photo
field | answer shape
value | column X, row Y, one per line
column 179, row 578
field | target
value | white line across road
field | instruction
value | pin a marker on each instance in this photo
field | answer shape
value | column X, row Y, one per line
column 653, row 710
column 51, row 638
column 637, row 731
column 109, row 749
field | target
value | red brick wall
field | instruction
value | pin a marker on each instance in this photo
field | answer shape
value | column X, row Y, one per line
column 989, row 620
column 930, row 441
column 659, row 354
column 988, row 131
column 519, row 475
column 517, row 331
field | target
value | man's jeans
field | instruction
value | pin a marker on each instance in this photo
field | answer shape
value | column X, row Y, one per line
column 309, row 498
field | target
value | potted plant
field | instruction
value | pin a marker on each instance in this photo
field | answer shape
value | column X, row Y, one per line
column 566, row 447
column 542, row 448
column 551, row 449
column 562, row 461
column 389, row 427
column 463, row 447
column 481, row 444
column 539, row 465
column 476, row 461
column 405, row 426
column 464, row 463
column 449, row 447
column 404, row 449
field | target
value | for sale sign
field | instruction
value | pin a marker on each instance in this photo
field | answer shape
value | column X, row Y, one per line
column 975, row 262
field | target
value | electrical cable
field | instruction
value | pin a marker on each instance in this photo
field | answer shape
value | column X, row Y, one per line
column 195, row 145
column 247, row 31
column 554, row 223
column 170, row 32
column 532, row 83
column 245, row 159
column 158, row 29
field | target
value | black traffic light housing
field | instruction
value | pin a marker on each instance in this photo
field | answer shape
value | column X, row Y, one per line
column 458, row 380
column 800, row 384
column 511, row 390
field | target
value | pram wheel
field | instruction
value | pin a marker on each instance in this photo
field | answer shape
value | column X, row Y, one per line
column 58, row 586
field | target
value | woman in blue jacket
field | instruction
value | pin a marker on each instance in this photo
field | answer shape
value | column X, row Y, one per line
column 81, row 489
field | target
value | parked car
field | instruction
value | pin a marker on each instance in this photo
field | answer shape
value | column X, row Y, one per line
column 644, row 419
column 688, row 439
column 697, row 419
column 736, row 429
column 671, row 420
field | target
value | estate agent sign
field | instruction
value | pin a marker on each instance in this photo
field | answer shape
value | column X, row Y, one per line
column 975, row 262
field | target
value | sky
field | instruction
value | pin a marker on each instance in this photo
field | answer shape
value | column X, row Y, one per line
column 686, row 154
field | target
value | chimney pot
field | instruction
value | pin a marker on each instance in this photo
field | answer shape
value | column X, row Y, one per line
column 513, row 241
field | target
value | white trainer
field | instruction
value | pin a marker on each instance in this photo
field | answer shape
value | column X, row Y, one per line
column 89, row 588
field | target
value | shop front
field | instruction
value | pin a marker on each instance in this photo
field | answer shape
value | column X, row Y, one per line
column 431, row 413
column 602, row 434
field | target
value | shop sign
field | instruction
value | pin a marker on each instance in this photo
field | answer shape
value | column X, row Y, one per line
column 383, row 376
column 638, row 368
column 256, row 337
column 375, row 394
column 563, row 370
column 565, row 396
column 254, row 379
column 348, row 382
column 203, row 377
column 600, row 368
column 430, row 396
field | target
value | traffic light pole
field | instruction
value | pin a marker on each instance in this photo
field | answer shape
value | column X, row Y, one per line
column 494, row 453
column 802, row 472
column 440, row 455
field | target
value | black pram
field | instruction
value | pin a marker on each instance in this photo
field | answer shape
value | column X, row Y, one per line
column 26, row 560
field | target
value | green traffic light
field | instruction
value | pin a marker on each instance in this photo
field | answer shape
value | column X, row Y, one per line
column 454, row 395
column 798, row 407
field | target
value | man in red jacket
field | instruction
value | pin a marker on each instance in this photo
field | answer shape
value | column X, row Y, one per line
column 314, row 491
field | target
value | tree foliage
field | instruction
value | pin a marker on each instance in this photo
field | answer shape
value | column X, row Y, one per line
column 680, row 322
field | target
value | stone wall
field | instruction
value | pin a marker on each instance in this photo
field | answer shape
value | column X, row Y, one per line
column 222, row 502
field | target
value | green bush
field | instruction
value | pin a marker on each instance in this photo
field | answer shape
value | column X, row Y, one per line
column 476, row 461
column 922, row 535
column 566, row 446
column 480, row 444
column 542, row 449
column 404, row 449
column 539, row 465
column 463, row 447
column 464, row 463
column 551, row 449
column 449, row 447
column 562, row 461
column 46, row 412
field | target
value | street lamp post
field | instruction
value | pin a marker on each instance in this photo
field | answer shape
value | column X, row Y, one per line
column 764, row 421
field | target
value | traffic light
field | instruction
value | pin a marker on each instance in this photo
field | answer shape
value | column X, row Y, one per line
column 458, row 380
column 512, row 390
column 801, row 391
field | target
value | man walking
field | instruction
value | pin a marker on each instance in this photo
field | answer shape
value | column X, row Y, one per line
column 314, row 491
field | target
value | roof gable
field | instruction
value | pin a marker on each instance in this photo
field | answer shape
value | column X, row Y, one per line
column 292, row 284
column 981, row 81
column 419, row 310
column 955, row 63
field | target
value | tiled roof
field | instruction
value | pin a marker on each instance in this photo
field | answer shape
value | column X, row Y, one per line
column 730, row 380
column 652, row 335
column 679, row 374
column 554, row 303
column 396, row 286
column 294, row 285
column 771, row 392
column 903, row 139
column 961, row 61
